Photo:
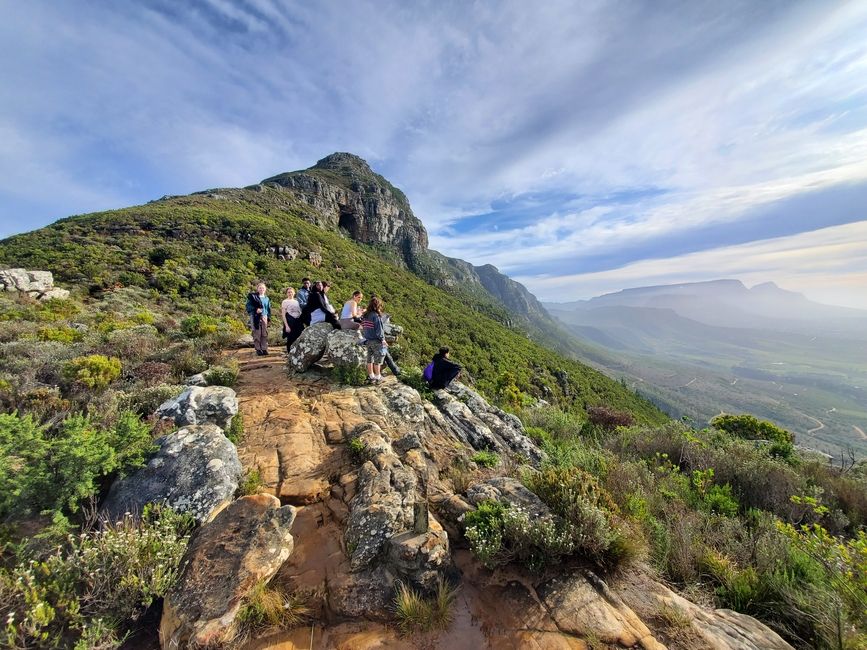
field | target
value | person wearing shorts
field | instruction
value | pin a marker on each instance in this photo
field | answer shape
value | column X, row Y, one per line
column 373, row 331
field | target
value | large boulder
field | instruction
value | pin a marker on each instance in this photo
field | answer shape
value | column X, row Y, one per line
column 246, row 542
column 342, row 349
column 309, row 347
column 201, row 405
column 195, row 470
column 14, row 280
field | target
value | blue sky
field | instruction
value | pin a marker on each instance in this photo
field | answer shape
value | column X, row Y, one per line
column 579, row 147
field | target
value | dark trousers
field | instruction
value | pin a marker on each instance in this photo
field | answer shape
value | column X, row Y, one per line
column 260, row 336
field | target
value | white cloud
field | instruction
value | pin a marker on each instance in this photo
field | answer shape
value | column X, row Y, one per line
column 828, row 265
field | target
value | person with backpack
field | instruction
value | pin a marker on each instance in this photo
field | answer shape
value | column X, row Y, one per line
column 441, row 371
column 259, row 309
column 373, row 332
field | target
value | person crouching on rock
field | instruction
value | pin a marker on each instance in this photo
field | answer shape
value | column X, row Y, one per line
column 290, row 311
column 259, row 309
column 373, row 331
column 350, row 315
column 444, row 371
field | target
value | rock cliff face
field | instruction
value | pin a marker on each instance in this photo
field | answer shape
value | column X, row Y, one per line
column 347, row 194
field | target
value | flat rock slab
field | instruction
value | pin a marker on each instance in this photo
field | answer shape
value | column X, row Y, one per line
column 195, row 470
column 246, row 542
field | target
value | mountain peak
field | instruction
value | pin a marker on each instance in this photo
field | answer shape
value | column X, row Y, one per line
column 342, row 161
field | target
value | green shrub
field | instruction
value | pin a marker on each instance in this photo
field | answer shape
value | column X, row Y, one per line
column 749, row 427
column 95, row 586
column 250, row 483
column 61, row 334
column 198, row 325
column 358, row 450
column 132, row 441
column 412, row 377
column 145, row 401
column 235, row 432
column 555, row 421
column 538, row 435
column 485, row 458
column 22, row 446
column 349, row 374
column 94, row 371
column 224, row 375
column 134, row 343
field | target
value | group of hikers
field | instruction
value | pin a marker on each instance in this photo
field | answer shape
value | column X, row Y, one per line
column 310, row 305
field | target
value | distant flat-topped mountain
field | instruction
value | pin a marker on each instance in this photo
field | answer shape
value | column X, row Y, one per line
column 729, row 303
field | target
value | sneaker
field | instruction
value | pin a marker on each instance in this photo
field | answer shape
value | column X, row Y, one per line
column 378, row 379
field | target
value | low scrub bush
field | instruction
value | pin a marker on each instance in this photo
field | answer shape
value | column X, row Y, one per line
column 349, row 374
column 94, row 371
column 145, row 401
column 250, row 483
column 132, row 344
column 485, row 458
column 235, row 431
column 90, row 591
column 606, row 419
column 223, row 375
column 412, row 377
column 60, row 333
column 556, row 422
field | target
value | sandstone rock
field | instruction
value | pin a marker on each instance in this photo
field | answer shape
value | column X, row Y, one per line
column 246, row 542
column 195, row 470
column 40, row 281
column 578, row 608
column 309, row 347
column 368, row 594
column 14, row 280
column 315, row 258
column 55, row 294
column 201, row 405
column 420, row 559
column 404, row 401
column 342, row 348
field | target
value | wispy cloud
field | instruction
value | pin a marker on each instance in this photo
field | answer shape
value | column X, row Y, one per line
column 545, row 138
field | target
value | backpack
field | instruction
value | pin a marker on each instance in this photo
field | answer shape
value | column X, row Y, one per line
column 427, row 375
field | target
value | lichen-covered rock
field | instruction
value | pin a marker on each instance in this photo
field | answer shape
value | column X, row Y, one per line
column 482, row 425
column 309, row 347
column 201, row 405
column 195, row 470
column 384, row 502
column 404, row 401
column 246, row 542
column 342, row 348
column 196, row 380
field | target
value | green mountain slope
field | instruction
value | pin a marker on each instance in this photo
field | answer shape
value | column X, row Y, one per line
column 201, row 252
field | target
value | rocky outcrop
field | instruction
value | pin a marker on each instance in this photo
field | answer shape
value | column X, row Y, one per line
column 37, row 284
column 347, row 194
column 246, row 542
column 201, row 405
column 482, row 425
column 194, row 470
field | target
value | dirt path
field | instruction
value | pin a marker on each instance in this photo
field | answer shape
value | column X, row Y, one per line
column 860, row 432
column 817, row 421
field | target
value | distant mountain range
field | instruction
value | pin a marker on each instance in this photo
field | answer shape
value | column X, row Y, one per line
column 705, row 347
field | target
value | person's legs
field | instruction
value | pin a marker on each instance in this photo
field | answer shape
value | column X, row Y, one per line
column 391, row 364
column 260, row 338
column 370, row 353
column 349, row 324
column 378, row 356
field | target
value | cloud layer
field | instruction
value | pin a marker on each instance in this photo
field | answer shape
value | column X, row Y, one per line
column 551, row 140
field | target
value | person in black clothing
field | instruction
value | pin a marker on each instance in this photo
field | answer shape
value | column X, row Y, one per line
column 444, row 370
column 316, row 301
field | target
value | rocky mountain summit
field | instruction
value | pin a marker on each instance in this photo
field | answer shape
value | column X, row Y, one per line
column 347, row 194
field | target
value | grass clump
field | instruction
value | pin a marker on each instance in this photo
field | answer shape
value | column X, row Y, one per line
column 251, row 483
column 235, row 431
column 358, row 450
column 267, row 608
column 415, row 613
column 223, row 375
